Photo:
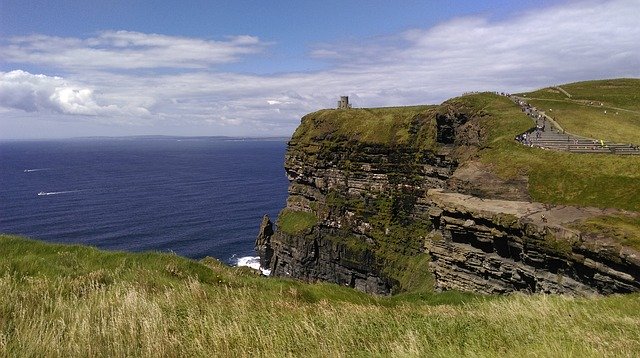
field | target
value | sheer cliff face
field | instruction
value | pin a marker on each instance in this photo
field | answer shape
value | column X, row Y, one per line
column 499, row 246
column 356, row 213
column 370, row 212
column 359, row 213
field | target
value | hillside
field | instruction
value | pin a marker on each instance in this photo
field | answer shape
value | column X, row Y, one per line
column 58, row 300
column 554, row 177
column 605, row 109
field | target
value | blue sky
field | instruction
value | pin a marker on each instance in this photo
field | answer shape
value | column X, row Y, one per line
column 253, row 68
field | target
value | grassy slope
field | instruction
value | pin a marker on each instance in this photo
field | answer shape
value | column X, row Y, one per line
column 60, row 300
column 387, row 125
column 554, row 177
column 582, row 114
column 625, row 228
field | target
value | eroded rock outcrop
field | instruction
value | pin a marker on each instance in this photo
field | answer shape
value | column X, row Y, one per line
column 498, row 246
column 263, row 241
column 356, row 212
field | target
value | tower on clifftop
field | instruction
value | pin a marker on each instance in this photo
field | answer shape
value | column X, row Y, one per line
column 343, row 103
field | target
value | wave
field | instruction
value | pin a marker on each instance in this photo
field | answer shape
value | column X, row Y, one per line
column 253, row 262
column 36, row 170
column 44, row 193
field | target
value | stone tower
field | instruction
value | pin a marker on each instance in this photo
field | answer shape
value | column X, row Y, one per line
column 343, row 103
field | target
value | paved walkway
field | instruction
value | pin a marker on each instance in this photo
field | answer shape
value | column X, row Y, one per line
column 550, row 135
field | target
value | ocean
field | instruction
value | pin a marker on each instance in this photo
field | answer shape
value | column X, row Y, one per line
column 194, row 197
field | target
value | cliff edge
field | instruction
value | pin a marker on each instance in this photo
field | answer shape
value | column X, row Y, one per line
column 388, row 200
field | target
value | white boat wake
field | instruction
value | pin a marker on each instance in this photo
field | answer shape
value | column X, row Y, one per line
column 44, row 193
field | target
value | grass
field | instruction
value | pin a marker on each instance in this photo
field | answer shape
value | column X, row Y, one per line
column 584, row 113
column 294, row 222
column 592, row 122
column 623, row 92
column 389, row 125
column 554, row 177
column 146, row 308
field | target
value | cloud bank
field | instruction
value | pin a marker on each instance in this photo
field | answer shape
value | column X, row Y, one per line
column 41, row 93
column 576, row 41
column 127, row 50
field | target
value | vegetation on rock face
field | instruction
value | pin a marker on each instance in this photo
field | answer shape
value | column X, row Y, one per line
column 554, row 177
column 294, row 222
column 624, row 228
column 58, row 300
column 405, row 145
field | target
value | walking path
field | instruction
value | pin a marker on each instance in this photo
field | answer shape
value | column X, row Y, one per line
column 548, row 134
column 563, row 91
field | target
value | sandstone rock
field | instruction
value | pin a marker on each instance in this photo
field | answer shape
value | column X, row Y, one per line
column 532, row 255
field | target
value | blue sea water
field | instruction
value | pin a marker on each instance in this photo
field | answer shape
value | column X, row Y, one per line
column 195, row 197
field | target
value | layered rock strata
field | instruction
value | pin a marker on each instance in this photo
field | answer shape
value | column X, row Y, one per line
column 498, row 246
column 359, row 195
column 369, row 210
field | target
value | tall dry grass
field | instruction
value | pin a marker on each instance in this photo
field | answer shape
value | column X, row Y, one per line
column 55, row 317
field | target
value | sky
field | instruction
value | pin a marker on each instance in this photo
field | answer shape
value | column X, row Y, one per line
column 71, row 68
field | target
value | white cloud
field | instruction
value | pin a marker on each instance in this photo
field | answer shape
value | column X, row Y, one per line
column 127, row 50
column 581, row 40
column 36, row 93
column 571, row 42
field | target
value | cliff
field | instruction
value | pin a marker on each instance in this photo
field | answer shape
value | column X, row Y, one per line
column 362, row 211
column 354, row 215
column 499, row 246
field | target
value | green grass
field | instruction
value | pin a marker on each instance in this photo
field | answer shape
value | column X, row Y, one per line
column 389, row 125
column 592, row 122
column 554, row 177
column 623, row 92
column 294, row 222
column 584, row 113
column 163, row 305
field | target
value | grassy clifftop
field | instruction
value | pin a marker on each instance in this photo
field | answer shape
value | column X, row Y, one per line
column 605, row 109
column 58, row 300
column 554, row 177
column 600, row 180
column 388, row 126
